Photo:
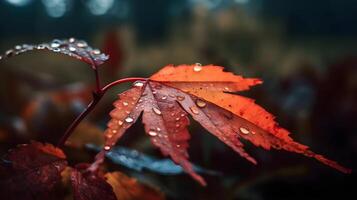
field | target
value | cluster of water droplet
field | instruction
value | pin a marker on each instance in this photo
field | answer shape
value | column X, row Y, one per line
column 75, row 48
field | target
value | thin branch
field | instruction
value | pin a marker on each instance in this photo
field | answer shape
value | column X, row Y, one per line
column 97, row 80
column 78, row 119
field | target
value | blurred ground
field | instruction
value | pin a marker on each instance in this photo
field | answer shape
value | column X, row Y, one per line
column 306, row 52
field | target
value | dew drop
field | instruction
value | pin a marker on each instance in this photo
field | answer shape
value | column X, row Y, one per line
column 55, row 44
column 138, row 84
column 114, row 131
column 129, row 119
column 82, row 44
column 96, row 51
column 177, row 125
column 194, row 110
column 120, row 122
column 18, row 47
column 172, row 95
column 200, row 103
column 154, row 92
column 140, row 100
column 56, row 49
column 107, row 148
column 226, row 88
column 109, row 136
column 40, row 46
column 180, row 98
column 164, row 97
column 71, row 40
column 182, row 115
column 197, row 67
column 178, row 146
column 152, row 133
column 177, row 119
column 244, row 130
column 158, row 129
column 72, row 48
column 156, row 111
column 125, row 103
column 9, row 53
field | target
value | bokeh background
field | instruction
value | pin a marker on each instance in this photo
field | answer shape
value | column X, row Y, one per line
column 305, row 51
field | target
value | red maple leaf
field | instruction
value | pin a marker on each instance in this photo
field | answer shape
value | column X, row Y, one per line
column 205, row 93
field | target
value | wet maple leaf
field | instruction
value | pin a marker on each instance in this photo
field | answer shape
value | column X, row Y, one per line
column 31, row 171
column 204, row 92
column 127, row 188
column 72, row 47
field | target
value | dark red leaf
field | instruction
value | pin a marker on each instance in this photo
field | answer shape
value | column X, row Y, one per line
column 31, row 171
column 89, row 185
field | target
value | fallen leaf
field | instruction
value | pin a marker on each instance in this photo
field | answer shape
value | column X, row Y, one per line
column 31, row 171
column 89, row 185
column 127, row 188
column 204, row 92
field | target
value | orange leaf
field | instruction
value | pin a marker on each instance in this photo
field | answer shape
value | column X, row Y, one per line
column 126, row 188
column 200, row 91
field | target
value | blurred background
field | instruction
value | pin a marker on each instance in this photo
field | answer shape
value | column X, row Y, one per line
column 305, row 51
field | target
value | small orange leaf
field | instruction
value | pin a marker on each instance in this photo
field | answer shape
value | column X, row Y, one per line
column 126, row 188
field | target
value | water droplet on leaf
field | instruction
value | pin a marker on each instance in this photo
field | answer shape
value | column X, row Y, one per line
column 197, row 67
column 18, row 47
column 82, row 44
column 156, row 111
column 96, row 51
column 55, row 44
column 72, row 48
column 107, row 148
column 129, row 119
column 244, row 130
column 152, row 133
column 200, row 103
column 138, row 84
